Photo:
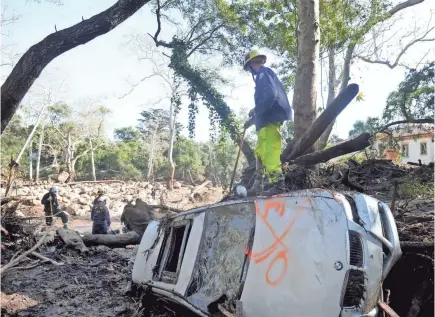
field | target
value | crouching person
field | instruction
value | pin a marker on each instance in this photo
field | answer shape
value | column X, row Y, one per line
column 51, row 208
column 100, row 217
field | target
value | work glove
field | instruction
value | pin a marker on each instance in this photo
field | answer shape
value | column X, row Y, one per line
column 50, row 198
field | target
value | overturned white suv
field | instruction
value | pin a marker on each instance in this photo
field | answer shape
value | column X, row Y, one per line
column 306, row 253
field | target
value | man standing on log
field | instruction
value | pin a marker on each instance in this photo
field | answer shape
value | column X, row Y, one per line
column 51, row 208
column 272, row 108
column 100, row 217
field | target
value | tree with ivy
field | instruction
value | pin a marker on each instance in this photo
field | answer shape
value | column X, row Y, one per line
column 212, row 26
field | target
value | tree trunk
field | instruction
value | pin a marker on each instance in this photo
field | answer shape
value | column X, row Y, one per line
column 332, row 79
column 112, row 240
column 30, row 162
column 356, row 144
column 172, row 132
column 310, row 136
column 151, row 155
column 305, row 94
column 37, row 57
column 72, row 239
column 14, row 163
column 38, row 160
column 69, row 162
column 94, row 175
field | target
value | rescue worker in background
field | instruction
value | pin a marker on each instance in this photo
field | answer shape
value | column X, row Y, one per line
column 51, row 208
column 272, row 108
column 100, row 217
column 100, row 193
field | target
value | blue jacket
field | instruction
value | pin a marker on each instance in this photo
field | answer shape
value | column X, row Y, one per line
column 46, row 203
column 100, row 213
column 271, row 102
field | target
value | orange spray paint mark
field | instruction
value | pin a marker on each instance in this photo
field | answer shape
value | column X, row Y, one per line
column 278, row 206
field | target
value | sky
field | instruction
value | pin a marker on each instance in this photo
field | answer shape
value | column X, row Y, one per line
column 105, row 68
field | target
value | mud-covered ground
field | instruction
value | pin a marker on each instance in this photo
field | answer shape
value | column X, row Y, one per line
column 88, row 285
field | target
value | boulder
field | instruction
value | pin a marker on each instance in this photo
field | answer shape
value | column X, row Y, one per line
column 177, row 185
column 23, row 191
column 127, row 198
column 82, row 212
column 62, row 177
column 71, row 209
column 83, row 201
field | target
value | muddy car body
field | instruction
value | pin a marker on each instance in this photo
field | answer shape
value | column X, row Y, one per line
column 306, row 253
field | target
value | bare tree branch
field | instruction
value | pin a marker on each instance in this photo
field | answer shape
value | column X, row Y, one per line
column 401, row 53
column 33, row 62
column 159, row 28
column 416, row 121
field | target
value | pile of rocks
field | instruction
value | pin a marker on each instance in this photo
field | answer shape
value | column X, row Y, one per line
column 78, row 198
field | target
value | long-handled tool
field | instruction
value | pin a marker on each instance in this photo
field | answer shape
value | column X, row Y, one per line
column 237, row 159
column 51, row 209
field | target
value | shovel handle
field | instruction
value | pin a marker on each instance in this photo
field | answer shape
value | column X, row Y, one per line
column 237, row 159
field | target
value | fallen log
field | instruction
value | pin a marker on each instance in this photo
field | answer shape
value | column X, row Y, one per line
column 71, row 239
column 322, row 122
column 352, row 145
column 112, row 240
column 108, row 181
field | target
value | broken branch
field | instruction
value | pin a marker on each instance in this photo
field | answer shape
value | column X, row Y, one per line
column 322, row 122
column 353, row 145
column 18, row 259
column 37, row 57
column 45, row 259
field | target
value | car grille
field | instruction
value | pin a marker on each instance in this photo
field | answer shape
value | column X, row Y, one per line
column 354, row 290
column 356, row 253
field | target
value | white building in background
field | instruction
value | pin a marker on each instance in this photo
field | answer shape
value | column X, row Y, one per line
column 412, row 145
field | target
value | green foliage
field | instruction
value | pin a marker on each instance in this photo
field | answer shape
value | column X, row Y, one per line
column 411, row 189
column 414, row 98
column 202, row 84
column 370, row 125
column 188, row 159
column 127, row 134
column 12, row 140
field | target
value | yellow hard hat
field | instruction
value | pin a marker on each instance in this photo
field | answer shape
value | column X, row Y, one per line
column 251, row 55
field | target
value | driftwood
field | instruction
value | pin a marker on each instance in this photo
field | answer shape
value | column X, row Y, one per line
column 164, row 207
column 112, row 240
column 19, row 258
column 345, row 181
column 38, row 56
column 72, row 239
column 45, row 259
column 355, row 144
column 322, row 122
column 390, row 312
column 107, row 181
column 197, row 189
